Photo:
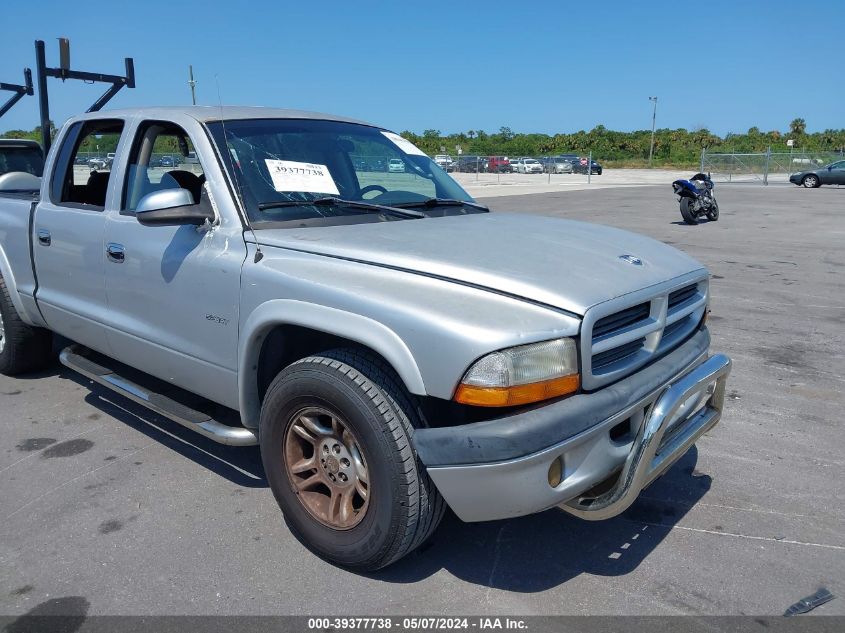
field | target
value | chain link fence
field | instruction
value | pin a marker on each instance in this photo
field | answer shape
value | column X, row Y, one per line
column 763, row 167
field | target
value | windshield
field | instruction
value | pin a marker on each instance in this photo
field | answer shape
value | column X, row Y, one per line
column 300, row 160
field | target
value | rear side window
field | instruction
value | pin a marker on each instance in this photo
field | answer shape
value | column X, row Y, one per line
column 83, row 165
column 26, row 158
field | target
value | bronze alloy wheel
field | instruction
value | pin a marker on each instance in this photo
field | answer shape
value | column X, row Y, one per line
column 2, row 333
column 326, row 468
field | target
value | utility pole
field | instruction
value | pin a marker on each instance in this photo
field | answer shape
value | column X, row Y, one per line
column 653, row 122
column 192, row 83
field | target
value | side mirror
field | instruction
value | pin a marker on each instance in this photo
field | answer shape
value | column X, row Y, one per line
column 172, row 207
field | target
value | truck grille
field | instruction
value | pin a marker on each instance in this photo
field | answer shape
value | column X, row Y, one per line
column 606, row 358
column 620, row 336
column 620, row 320
column 677, row 297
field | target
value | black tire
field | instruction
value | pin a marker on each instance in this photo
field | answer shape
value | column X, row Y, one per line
column 23, row 348
column 687, row 212
column 713, row 213
column 811, row 181
column 404, row 507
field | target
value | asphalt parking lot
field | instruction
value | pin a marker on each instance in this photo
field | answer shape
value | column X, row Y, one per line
column 106, row 508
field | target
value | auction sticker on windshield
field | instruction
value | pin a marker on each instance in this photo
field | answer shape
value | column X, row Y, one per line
column 404, row 144
column 289, row 175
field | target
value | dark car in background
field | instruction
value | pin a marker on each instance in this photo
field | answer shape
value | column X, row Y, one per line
column 499, row 165
column 21, row 155
column 579, row 166
column 471, row 164
column 833, row 174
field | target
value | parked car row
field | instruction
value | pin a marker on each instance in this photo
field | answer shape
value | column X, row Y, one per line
column 471, row 163
column 563, row 164
column 101, row 163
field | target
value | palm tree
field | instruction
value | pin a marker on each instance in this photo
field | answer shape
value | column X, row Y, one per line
column 797, row 127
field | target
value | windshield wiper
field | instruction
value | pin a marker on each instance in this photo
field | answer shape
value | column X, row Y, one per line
column 444, row 202
column 355, row 204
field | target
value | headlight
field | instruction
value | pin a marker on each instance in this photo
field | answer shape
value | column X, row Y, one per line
column 521, row 375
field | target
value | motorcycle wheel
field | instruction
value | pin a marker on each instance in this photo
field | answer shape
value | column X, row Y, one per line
column 713, row 213
column 687, row 211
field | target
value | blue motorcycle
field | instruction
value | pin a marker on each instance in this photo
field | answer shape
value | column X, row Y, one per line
column 697, row 199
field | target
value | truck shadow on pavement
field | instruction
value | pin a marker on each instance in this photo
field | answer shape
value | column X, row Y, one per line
column 541, row 551
column 240, row 465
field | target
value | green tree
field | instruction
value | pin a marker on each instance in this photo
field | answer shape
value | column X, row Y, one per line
column 797, row 127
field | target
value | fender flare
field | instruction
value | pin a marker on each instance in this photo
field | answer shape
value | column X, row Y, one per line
column 11, row 285
column 355, row 327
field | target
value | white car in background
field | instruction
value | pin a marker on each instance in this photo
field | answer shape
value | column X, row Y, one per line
column 394, row 165
column 445, row 162
column 527, row 166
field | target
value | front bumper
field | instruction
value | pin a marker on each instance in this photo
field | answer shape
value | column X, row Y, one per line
column 651, row 426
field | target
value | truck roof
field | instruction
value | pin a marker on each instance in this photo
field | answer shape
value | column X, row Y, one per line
column 19, row 142
column 216, row 113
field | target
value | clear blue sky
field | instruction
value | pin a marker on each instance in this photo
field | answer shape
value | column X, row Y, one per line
column 454, row 66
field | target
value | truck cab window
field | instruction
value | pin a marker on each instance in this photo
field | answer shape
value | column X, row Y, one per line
column 163, row 157
column 84, row 164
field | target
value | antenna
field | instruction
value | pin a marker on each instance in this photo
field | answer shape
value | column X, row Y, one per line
column 193, row 84
column 258, row 254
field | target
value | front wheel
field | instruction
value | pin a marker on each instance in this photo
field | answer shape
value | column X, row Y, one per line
column 687, row 211
column 335, row 442
column 810, row 181
column 713, row 211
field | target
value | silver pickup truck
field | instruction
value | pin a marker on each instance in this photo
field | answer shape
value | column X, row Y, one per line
column 392, row 346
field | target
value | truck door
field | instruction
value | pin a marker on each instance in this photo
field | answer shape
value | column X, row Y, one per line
column 173, row 291
column 68, row 230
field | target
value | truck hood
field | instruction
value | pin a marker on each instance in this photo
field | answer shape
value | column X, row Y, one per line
column 561, row 263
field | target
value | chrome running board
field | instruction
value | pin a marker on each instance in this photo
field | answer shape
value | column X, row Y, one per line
column 75, row 358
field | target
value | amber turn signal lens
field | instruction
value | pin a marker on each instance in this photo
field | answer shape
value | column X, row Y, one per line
column 520, row 394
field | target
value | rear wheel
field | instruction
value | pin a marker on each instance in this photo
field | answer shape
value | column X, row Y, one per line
column 687, row 211
column 335, row 441
column 23, row 348
column 810, row 181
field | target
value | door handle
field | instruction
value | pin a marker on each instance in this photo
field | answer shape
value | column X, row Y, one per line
column 44, row 237
column 116, row 253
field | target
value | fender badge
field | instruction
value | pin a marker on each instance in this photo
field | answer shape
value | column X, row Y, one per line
column 636, row 261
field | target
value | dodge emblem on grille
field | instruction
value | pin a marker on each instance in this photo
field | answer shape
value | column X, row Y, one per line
column 636, row 261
